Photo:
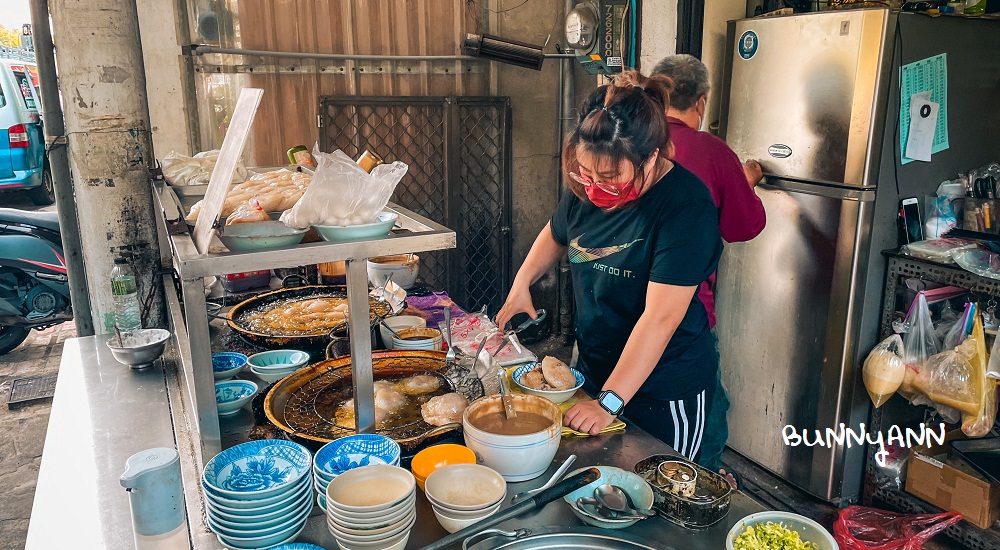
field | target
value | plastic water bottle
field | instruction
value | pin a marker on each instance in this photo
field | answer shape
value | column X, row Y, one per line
column 127, row 317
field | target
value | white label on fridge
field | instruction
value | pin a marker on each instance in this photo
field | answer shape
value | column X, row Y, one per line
column 923, row 122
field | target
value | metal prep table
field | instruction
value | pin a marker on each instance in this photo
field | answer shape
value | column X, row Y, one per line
column 103, row 412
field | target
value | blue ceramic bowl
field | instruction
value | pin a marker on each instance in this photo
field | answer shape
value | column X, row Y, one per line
column 635, row 486
column 262, row 527
column 261, row 506
column 231, row 395
column 354, row 451
column 245, row 516
column 373, row 230
column 228, row 364
column 257, row 469
column 279, row 359
column 298, row 546
column 253, row 543
column 252, row 236
column 555, row 396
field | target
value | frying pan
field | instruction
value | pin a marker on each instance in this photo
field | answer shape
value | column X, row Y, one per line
column 316, row 340
column 286, row 404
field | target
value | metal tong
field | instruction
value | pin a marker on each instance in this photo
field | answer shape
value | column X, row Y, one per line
column 510, row 334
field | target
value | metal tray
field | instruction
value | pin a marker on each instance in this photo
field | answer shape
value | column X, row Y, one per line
column 691, row 513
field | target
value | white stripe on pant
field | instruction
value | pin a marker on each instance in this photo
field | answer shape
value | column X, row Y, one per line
column 688, row 441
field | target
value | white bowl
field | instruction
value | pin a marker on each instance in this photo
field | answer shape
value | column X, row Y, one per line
column 398, row 543
column 271, row 376
column 461, row 514
column 515, row 457
column 453, row 524
column 398, row 323
column 370, row 488
column 465, row 487
column 809, row 530
column 363, row 531
column 389, row 517
column 555, row 396
column 369, row 539
column 402, row 267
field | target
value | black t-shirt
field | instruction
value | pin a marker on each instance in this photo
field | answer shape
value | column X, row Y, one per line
column 670, row 235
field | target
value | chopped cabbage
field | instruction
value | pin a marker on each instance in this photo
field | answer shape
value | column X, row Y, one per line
column 771, row 536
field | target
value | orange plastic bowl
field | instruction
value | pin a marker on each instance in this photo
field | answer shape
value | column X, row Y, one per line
column 432, row 458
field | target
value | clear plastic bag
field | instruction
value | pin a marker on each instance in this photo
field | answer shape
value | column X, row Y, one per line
column 862, row 528
column 197, row 170
column 342, row 193
column 919, row 344
column 250, row 212
column 940, row 217
column 993, row 366
column 980, row 422
column 949, row 378
column 884, row 370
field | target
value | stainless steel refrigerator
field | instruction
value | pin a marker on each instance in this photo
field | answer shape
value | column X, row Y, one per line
column 812, row 97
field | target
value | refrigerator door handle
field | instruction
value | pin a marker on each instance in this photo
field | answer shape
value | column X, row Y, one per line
column 829, row 191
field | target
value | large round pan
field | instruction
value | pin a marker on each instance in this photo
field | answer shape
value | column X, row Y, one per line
column 385, row 364
column 315, row 340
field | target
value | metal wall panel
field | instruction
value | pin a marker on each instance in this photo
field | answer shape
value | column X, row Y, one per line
column 458, row 151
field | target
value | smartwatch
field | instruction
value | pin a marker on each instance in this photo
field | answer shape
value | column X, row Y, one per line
column 611, row 402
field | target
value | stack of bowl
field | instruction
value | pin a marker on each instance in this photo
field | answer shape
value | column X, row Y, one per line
column 227, row 364
column 258, row 494
column 438, row 456
column 463, row 494
column 372, row 508
column 271, row 366
column 397, row 324
column 348, row 453
column 418, row 338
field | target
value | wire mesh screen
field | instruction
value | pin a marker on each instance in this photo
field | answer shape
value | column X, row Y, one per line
column 458, row 152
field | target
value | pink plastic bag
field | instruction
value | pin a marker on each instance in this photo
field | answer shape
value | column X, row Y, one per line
column 861, row 528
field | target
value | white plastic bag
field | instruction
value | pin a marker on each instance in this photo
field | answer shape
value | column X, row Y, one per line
column 342, row 193
column 197, row 170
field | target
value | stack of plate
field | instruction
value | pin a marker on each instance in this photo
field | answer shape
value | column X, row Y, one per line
column 464, row 494
column 271, row 366
column 348, row 453
column 258, row 494
column 372, row 507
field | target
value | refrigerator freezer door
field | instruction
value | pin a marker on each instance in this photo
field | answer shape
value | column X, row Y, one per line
column 787, row 310
column 801, row 93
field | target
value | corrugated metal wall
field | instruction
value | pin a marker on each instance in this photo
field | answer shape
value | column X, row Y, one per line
column 292, row 87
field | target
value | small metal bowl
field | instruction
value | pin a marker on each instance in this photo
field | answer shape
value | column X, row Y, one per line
column 140, row 348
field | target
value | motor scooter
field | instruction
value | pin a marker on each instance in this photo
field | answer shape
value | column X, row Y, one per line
column 34, row 287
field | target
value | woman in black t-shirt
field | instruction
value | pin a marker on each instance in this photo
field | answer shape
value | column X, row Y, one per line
column 642, row 233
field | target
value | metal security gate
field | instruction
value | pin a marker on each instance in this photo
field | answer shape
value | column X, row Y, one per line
column 459, row 154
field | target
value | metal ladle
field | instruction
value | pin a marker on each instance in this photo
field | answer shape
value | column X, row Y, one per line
column 614, row 498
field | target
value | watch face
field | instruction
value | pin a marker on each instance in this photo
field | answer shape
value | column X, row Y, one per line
column 573, row 29
column 612, row 402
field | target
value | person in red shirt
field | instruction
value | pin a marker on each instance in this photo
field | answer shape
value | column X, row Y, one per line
column 731, row 183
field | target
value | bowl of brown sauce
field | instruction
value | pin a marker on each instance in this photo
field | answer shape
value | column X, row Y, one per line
column 520, row 448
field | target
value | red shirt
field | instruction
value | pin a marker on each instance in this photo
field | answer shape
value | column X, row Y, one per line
column 741, row 214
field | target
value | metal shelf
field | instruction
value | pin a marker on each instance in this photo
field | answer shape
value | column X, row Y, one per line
column 900, row 267
column 413, row 233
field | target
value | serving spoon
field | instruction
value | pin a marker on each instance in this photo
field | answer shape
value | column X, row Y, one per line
column 614, row 498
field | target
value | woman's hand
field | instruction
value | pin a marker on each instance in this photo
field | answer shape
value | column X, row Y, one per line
column 589, row 417
column 518, row 301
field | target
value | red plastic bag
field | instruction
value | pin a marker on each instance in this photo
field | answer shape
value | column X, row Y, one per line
column 861, row 528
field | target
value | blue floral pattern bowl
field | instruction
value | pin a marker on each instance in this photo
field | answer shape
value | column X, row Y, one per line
column 231, row 395
column 227, row 364
column 555, row 396
column 279, row 359
column 257, row 469
column 355, row 451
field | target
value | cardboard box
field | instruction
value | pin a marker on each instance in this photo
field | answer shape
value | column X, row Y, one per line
column 952, row 485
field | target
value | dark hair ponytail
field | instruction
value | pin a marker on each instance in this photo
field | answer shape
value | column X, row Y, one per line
column 624, row 120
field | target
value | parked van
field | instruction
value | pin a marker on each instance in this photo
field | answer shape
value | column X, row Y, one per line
column 23, row 164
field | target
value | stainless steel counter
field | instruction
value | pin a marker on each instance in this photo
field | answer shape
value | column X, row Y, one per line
column 621, row 450
column 102, row 413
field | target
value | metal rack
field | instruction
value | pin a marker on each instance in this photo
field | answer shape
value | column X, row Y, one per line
column 413, row 233
column 897, row 411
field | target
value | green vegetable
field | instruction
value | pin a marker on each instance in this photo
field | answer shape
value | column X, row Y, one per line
column 771, row 536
